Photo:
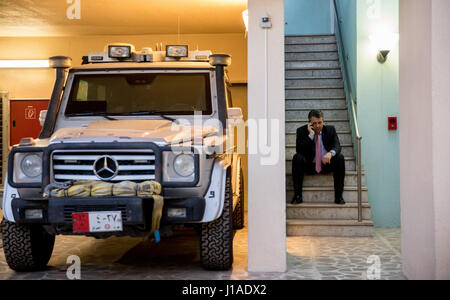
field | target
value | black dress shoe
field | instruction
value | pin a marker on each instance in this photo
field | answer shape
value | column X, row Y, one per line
column 340, row 201
column 297, row 199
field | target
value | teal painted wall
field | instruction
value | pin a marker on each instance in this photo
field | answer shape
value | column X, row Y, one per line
column 307, row 17
column 377, row 97
column 347, row 16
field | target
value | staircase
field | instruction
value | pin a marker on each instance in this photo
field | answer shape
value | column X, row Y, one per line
column 314, row 81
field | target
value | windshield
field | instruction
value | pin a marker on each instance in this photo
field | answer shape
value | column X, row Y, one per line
column 130, row 94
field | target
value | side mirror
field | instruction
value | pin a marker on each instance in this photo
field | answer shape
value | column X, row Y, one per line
column 42, row 116
column 235, row 113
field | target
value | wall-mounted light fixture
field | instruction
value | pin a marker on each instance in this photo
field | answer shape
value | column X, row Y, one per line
column 384, row 42
column 382, row 56
column 24, row 63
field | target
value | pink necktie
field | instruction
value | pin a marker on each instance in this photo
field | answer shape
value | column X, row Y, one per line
column 318, row 155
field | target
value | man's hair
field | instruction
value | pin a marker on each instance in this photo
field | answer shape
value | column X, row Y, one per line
column 316, row 114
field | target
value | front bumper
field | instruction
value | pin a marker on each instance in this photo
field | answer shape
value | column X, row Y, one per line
column 135, row 211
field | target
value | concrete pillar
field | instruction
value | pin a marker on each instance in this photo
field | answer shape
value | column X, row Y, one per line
column 425, row 138
column 266, row 177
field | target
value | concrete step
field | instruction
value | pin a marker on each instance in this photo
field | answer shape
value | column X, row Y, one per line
column 315, row 82
column 316, row 104
column 293, row 114
column 326, row 195
column 345, row 137
column 332, row 55
column 350, row 164
column 325, row 211
column 324, row 180
column 312, row 64
column 309, row 39
column 338, row 228
column 346, row 150
column 340, row 125
column 313, row 73
column 325, row 47
column 312, row 93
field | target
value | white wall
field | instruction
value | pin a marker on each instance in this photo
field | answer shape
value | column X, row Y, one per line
column 441, row 139
column 425, row 138
column 266, row 184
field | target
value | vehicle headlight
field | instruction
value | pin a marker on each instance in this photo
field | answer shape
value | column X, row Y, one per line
column 27, row 167
column 180, row 168
column 184, row 165
column 31, row 165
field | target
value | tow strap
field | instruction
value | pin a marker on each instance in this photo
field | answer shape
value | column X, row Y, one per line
column 83, row 188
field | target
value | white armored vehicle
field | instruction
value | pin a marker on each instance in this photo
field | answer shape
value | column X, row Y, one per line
column 128, row 117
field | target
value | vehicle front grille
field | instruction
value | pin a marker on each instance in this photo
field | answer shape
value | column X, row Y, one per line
column 133, row 165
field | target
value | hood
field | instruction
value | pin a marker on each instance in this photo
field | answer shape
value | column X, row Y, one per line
column 161, row 132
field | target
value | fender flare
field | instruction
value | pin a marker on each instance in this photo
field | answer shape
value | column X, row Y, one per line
column 215, row 195
column 9, row 193
column 237, row 165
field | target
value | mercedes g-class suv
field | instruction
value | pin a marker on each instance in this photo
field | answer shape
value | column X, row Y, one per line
column 129, row 116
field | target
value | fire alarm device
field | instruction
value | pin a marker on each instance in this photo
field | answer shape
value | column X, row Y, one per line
column 392, row 123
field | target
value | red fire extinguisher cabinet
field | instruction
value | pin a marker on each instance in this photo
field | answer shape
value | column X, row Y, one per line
column 24, row 118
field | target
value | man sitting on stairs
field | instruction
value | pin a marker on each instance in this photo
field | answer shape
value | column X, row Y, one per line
column 318, row 152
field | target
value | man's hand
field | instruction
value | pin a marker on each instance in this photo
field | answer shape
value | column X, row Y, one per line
column 327, row 158
column 311, row 131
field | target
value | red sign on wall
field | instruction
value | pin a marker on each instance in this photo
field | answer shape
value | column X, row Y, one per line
column 30, row 113
column 24, row 118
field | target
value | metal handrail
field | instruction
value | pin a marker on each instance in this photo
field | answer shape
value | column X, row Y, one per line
column 353, row 114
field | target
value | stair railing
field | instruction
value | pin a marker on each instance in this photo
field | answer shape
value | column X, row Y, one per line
column 355, row 132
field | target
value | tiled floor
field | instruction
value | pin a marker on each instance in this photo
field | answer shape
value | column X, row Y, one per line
column 177, row 257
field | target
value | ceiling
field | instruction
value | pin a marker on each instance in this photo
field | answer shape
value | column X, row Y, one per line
column 21, row 18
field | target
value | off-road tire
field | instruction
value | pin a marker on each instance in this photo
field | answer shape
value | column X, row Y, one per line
column 238, row 213
column 216, row 240
column 26, row 247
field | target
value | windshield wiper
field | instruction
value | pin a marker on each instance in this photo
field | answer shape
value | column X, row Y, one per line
column 151, row 113
column 90, row 113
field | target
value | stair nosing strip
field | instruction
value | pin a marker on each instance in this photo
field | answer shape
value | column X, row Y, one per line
column 312, row 51
column 317, row 69
column 322, row 109
column 326, row 77
column 348, row 158
column 327, row 120
column 314, row 88
column 309, row 35
column 342, row 145
column 338, row 132
column 309, row 60
column 315, row 44
column 315, row 222
column 331, row 189
column 313, row 99
column 327, row 205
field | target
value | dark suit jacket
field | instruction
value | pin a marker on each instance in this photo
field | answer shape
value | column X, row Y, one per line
column 306, row 147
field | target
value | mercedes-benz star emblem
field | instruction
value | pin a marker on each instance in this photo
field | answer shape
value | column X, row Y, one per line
column 106, row 167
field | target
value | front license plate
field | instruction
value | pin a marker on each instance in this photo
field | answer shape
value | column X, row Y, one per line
column 98, row 221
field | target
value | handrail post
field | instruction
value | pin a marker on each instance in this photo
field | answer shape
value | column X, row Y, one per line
column 359, row 183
